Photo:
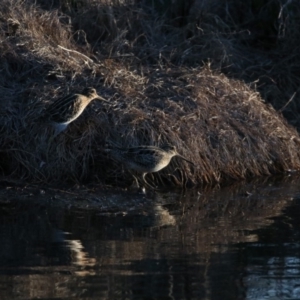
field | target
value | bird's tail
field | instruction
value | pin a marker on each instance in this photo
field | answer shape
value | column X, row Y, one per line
column 114, row 152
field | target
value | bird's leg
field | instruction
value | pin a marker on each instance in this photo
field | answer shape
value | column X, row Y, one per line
column 54, row 135
column 145, row 181
column 51, row 139
column 54, row 132
column 136, row 180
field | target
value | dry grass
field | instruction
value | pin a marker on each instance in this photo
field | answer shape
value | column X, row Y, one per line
column 149, row 69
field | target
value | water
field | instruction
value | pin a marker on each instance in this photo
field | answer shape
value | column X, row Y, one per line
column 239, row 242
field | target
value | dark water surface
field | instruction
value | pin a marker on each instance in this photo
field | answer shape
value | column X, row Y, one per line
column 239, row 242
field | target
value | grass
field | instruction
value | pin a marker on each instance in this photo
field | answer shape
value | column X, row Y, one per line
column 198, row 81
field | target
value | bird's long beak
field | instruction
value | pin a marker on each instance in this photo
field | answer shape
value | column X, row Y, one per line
column 182, row 157
column 101, row 98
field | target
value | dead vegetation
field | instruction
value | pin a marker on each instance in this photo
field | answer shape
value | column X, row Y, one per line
column 151, row 69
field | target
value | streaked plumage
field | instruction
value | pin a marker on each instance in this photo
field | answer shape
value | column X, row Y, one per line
column 145, row 159
column 67, row 109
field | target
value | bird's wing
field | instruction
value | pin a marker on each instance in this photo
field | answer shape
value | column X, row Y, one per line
column 145, row 156
column 64, row 108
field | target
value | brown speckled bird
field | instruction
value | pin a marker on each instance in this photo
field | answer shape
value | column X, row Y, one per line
column 65, row 110
column 145, row 159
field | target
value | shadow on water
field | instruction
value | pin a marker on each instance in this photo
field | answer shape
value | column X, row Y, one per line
column 238, row 242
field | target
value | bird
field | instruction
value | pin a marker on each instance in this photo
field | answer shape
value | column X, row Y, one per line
column 145, row 159
column 67, row 109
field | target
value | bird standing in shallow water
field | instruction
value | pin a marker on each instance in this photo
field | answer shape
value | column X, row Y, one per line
column 67, row 109
column 145, row 159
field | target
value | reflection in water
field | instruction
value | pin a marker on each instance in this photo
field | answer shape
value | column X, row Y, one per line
column 278, row 277
column 240, row 242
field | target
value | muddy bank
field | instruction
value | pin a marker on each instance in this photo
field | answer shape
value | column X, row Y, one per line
column 221, row 124
column 241, row 201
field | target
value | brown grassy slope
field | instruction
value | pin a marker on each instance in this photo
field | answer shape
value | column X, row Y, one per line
column 221, row 124
column 253, row 40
